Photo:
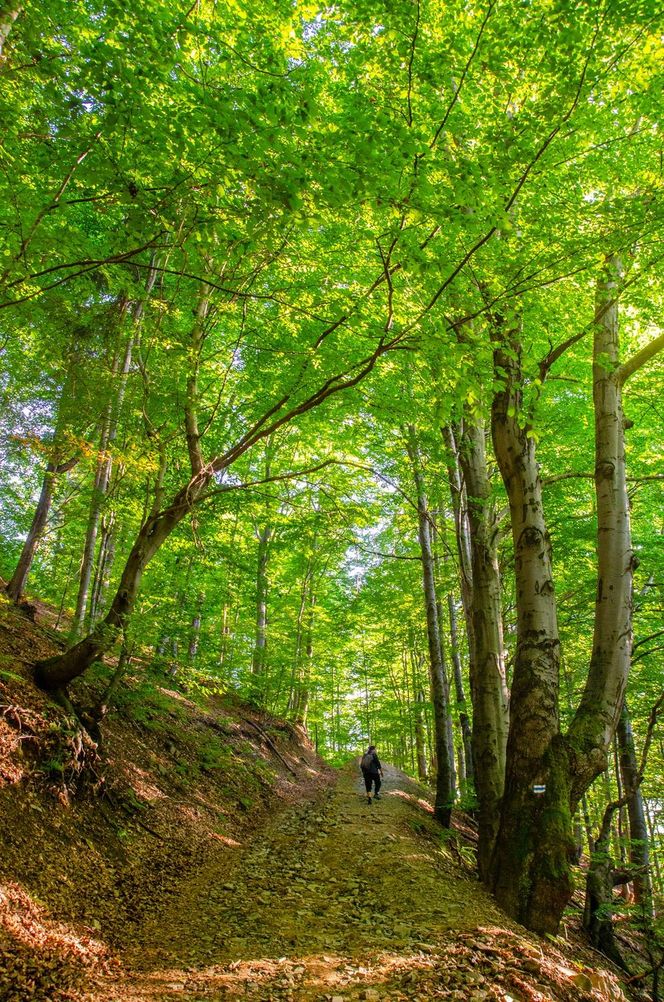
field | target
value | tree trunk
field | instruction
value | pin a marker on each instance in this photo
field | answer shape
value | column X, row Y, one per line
column 298, row 703
column 600, row 881
column 16, row 584
column 265, row 536
column 535, row 843
column 105, row 558
column 416, row 661
column 258, row 661
column 302, row 707
column 595, row 721
column 420, row 745
column 534, row 847
column 464, row 721
column 195, row 632
column 444, row 799
column 57, row 672
column 8, row 14
column 107, row 436
column 488, row 682
column 459, row 498
column 639, row 855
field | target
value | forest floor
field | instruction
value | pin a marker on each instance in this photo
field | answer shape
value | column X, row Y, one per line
column 204, row 852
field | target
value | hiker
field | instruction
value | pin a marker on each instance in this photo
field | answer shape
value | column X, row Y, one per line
column 372, row 772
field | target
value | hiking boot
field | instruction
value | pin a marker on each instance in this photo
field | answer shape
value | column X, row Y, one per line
column 376, row 796
column 369, row 801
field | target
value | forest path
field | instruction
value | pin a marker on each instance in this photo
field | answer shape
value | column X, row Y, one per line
column 335, row 899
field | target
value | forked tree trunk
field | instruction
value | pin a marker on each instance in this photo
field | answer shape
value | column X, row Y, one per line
column 488, row 682
column 445, row 792
column 535, row 844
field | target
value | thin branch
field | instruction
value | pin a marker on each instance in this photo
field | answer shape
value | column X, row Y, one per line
column 248, row 485
column 646, row 640
column 411, row 61
column 457, row 92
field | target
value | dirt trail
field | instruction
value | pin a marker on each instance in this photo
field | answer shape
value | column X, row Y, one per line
column 332, row 899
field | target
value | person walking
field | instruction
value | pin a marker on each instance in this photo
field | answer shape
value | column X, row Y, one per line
column 372, row 772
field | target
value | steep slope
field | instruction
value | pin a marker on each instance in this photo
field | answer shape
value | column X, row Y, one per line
column 96, row 839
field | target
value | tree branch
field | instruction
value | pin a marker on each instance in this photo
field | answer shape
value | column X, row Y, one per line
column 640, row 359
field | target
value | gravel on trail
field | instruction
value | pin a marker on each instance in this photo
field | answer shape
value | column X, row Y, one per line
column 332, row 899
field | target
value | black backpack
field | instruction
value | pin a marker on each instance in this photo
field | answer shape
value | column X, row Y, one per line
column 368, row 761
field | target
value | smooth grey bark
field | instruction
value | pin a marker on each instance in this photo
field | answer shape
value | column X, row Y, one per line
column 529, row 870
column 535, row 844
column 488, row 677
column 595, row 721
column 464, row 720
column 445, row 792
column 299, row 696
column 8, row 15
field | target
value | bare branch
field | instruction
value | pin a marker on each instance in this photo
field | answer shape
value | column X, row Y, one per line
column 640, row 359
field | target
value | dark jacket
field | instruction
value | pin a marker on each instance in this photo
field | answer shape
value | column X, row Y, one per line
column 375, row 766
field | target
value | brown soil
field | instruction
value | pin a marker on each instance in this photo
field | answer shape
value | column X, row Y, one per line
column 205, row 852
